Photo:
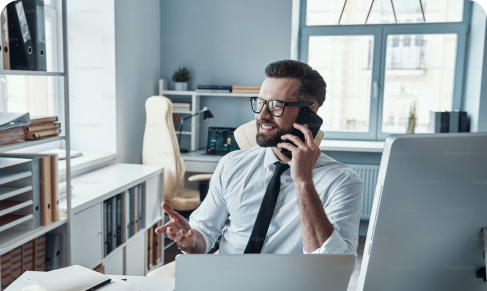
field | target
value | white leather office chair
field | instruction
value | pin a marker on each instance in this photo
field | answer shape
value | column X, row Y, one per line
column 161, row 148
column 245, row 137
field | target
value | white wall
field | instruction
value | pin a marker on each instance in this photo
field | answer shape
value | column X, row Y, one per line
column 138, row 55
column 91, row 50
column 475, row 81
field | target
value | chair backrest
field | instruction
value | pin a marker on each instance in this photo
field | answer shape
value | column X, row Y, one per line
column 160, row 145
column 245, row 135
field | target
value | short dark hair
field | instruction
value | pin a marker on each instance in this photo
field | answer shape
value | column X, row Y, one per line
column 312, row 87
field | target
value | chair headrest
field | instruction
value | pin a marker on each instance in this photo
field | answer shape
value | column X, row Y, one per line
column 245, row 135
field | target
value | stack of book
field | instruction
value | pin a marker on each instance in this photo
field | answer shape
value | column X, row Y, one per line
column 246, row 89
column 214, row 89
column 181, row 106
column 42, row 127
column 11, row 127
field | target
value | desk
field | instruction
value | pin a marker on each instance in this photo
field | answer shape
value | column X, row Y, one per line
column 195, row 161
column 146, row 283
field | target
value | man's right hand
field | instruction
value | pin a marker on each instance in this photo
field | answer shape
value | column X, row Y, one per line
column 179, row 230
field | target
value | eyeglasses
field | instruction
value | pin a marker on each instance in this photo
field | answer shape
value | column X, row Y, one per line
column 275, row 107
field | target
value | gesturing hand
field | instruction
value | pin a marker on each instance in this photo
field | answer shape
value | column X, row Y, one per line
column 178, row 229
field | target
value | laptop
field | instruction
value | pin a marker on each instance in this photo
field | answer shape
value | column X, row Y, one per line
column 221, row 141
column 253, row 272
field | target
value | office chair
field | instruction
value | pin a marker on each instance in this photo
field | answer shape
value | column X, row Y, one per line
column 245, row 137
column 161, row 148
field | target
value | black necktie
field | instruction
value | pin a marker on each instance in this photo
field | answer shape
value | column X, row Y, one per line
column 261, row 226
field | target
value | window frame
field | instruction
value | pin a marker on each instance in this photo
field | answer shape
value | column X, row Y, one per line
column 380, row 33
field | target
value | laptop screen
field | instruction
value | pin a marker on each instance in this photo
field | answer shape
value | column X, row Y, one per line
column 221, row 140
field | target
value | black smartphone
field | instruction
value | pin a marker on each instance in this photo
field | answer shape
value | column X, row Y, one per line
column 306, row 116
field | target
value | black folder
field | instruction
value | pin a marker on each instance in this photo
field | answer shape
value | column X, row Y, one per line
column 119, row 220
column 22, row 50
column 139, row 212
column 105, row 229
column 132, row 211
column 34, row 12
column 109, row 219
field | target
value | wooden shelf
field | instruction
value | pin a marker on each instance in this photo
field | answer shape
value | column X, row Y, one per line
column 10, row 221
column 8, row 192
column 30, row 73
column 9, row 177
column 15, row 146
column 12, row 238
column 7, row 207
column 190, row 93
column 184, row 132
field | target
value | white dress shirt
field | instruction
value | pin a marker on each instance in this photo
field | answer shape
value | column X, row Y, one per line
column 237, row 189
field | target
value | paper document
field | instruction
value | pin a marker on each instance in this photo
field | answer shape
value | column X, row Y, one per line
column 75, row 278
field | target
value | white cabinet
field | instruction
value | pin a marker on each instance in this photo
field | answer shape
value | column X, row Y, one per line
column 135, row 255
column 114, row 262
column 87, row 238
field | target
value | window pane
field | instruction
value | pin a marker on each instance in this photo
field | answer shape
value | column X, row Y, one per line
column 323, row 12
column 443, row 10
column 345, row 63
column 419, row 75
column 356, row 12
column 408, row 11
column 381, row 12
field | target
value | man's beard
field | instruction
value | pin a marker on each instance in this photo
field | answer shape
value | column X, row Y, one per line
column 269, row 140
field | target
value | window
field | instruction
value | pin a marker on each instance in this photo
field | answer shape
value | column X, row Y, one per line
column 385, row 62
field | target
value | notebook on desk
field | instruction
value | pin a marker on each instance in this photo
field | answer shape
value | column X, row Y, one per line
column 221, row 141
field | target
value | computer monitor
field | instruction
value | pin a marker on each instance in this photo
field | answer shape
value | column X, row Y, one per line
column 221, row 140
column 429, row 208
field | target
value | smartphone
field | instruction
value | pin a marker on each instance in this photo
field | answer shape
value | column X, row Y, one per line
column 306, row 116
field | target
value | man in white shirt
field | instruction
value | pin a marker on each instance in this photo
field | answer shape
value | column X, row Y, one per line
column 318, row 203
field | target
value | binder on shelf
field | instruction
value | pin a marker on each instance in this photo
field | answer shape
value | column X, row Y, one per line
column 136, row 209
column 54, row 244
column 114, row 222
column 119, row 219
column 45, row 185
column 12, row 119
column 22, row 50
column 28, row 256
column 33, row 181
column 16, row 260
column 105, row 228
column 149, row 248
column 158, row 247
column 109, row 226
column 41, row 127
column 6, row 270
column 40, row 253
column 131, row 211
column 141, row 203
column 5, row 40
column 34, row 13
column 54, row 187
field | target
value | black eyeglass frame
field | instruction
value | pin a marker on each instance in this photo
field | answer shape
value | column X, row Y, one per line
column 266, row 103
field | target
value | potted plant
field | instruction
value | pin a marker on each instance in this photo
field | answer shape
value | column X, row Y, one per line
column 181, row 78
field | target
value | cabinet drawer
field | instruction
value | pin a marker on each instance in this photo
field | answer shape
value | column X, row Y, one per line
column 135, row 251
column 87, row 239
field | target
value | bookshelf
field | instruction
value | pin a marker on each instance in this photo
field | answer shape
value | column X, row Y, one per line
column 13, row 237
column 195, row 107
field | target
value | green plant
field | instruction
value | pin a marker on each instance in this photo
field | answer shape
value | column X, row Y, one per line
column 412, row 119
column 181, row 75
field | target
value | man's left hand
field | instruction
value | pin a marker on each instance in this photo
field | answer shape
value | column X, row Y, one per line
column 305, row 154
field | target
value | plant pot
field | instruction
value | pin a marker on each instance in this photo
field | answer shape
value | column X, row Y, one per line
column 181, row 86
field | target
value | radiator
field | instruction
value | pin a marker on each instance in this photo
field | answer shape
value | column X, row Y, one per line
column 368, row 174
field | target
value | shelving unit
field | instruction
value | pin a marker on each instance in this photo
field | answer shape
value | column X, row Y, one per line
column 195, row 107
column 13, row 237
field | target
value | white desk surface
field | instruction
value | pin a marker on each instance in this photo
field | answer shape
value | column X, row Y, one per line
column 326, row 145
column 95, row 186
column 146, row 283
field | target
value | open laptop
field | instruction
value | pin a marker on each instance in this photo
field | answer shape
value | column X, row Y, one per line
column 256, row 272
column 221, row 141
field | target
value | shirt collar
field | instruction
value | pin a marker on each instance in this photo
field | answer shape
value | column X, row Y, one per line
column 270, row 158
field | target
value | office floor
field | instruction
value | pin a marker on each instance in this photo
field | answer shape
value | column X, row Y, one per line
column 171, row 253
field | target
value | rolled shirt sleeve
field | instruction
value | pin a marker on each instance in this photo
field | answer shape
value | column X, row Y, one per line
column 343, row 212
column 210, row 217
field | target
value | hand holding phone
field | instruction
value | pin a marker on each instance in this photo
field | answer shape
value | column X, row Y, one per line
column 311, row 119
